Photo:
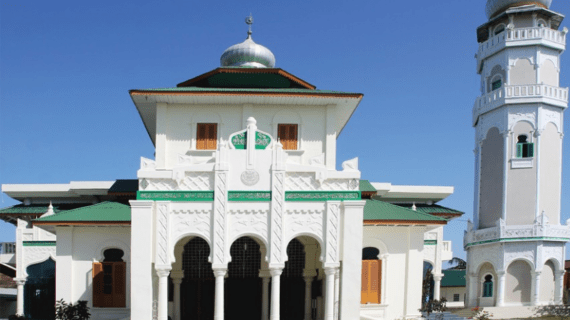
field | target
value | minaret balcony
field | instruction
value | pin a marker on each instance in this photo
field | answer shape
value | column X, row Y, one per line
column 521, row 37
column 504, row 233
column 530, row 93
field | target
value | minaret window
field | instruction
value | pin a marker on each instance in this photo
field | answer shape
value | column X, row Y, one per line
column 525, row 149
column 287, row 134
column 206, row 136
column 500, row 28
column 488, row 286
column 497, row 84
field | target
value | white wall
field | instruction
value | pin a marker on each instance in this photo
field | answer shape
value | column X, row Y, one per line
column 74, row 276
column 448, row 292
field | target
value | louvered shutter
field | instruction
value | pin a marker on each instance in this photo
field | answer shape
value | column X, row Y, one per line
column 365, row 282
column 212, row 136
column 201, row 136
column 519, row 150
column 531, row 150
column 119, row 284
column 287, row 134
column 374, row 276
column 97, row 284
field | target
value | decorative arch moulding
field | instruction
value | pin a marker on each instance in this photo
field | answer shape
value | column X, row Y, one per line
column 248, row 195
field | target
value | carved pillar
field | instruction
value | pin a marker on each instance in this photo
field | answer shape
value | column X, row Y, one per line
column 163, row 293
column 308, row 294
column 265, row 278
column 436, row 286
column 329, row 300
column 558, row 286
column 20, row 296
column 336, row 293
column 219, row 273
column 275, row 292
column 177, row 281
column 501, row 289
column 505, row 172
column 535, row 288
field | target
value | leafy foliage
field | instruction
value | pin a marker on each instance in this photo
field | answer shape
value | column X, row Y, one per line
column 562, row 312
column 459, row 263
column 429, row 305
column 69, row 311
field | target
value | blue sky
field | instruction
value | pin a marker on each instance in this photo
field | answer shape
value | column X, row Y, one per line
column 66, row 68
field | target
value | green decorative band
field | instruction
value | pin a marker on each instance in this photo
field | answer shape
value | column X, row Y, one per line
column 176, row 195
column 240, row 140
column 518, row 239
column 38, row 243
column 430, row 242
column 321, row 195
column 249, row 195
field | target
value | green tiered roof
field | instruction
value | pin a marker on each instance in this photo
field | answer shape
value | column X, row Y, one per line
column 453, row 278
column 104, row 212
column 378, row 211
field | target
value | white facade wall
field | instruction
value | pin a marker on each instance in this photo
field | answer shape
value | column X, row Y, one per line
column 77, row 249
column 449, row 292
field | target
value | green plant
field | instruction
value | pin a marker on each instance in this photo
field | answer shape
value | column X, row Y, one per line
column 69, row 311
column 562, row 312
column 480, row 314
column 434, row 306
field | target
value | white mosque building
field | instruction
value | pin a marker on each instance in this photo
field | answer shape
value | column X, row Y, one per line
column 516, row 243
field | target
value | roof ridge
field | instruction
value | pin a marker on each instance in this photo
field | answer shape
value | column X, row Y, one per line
column 412, row 211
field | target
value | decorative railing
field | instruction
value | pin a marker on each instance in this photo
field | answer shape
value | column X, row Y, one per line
column 496, row 98
column 498, row 42
column 521, row 232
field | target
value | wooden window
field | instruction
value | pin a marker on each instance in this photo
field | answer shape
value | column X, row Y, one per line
column 207, row 136
column 110, row 281
column 371, row 281
column 287, row 134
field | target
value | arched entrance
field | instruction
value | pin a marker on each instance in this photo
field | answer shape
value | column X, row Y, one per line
column 197, row 288
column 243, row 285
column 292, row 283
column 39, row 291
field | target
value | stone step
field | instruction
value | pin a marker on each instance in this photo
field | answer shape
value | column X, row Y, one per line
column 446, row 316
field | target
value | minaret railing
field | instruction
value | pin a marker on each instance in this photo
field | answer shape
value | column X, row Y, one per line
column 498, row 42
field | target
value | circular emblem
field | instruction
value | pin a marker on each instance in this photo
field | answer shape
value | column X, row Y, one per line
column 249, row 177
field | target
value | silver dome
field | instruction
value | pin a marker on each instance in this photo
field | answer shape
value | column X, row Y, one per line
column 248, row 54
column 494, row 6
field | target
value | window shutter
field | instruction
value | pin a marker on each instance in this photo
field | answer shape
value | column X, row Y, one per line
column 374, row 292
column 97, row 284
column 201, row 137
column 119, row 284
column 519, row 150
column 212, row 136
column 531, row 150
column 365, row 282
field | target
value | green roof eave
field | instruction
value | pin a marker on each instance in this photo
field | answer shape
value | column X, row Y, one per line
column 375, row 210
column 366, row 186
column 27, row 209
column 107, row 212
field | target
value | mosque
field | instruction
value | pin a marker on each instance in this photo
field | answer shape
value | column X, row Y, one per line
column 242, row 213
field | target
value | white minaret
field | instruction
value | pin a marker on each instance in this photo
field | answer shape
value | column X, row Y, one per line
column 515, row 246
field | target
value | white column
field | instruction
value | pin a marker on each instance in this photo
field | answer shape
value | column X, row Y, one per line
column 472, row 291
column 535, row 288
column 20, row 296
column 220, row 274
column 308, row 294
column 265, row 297
column 141, row 258
column 162, row 293
column 336, row 293
column 436, row 286
column 537, row 147
column 559, row 286
column 275, row 292
column 505, row 173
column 501, row 289
column 329, row 301
column 176, row 282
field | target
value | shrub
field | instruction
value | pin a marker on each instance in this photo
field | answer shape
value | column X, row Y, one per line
column 69, row 311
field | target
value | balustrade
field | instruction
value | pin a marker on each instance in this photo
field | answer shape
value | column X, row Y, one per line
column 519, row 232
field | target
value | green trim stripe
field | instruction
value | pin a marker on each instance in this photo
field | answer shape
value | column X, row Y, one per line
column 38, row 243
column 249, row 195
column 176, row 195
column 321, row 195
column 430, row 242
column 518, row 239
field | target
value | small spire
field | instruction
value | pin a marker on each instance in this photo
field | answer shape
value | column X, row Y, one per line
column 49, row 212
column 414, row 206
column 249, row 22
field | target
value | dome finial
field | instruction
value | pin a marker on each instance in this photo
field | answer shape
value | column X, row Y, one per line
column 249, row 22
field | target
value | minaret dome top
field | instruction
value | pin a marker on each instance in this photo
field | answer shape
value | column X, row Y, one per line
column 497, row 6
column 248, row 53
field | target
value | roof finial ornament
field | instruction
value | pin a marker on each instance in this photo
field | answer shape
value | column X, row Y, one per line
column 249, row 22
